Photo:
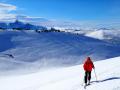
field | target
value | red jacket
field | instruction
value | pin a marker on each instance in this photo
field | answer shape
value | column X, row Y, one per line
column 88, row 64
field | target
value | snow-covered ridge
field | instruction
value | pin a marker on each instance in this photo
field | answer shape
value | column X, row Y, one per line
column 104, row 34
column 111, row 36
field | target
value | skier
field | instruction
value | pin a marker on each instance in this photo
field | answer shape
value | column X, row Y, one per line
column 88, row 65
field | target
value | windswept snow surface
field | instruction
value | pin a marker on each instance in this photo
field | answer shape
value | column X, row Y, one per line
column 53, row 49
column 67, row 78
column 34, row 53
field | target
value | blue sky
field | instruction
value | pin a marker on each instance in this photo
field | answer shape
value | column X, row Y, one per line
column 76, row 10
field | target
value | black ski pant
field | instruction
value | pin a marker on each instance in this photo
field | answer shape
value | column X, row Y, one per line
column 87, row 76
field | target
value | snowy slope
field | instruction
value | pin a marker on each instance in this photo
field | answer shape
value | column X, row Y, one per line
column 32, row 49
column 69, row 78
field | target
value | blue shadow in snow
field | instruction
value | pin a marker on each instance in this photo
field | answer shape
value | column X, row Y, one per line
column 5, row 41
column 108, row 79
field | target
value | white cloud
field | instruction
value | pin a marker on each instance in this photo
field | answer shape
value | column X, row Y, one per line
column 5, row 11
column 7, row 7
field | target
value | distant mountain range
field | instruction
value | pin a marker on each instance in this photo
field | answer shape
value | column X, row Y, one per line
column 18, row 25
column 60, row 24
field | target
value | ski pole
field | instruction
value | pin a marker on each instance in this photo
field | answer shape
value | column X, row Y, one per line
column 95, row 75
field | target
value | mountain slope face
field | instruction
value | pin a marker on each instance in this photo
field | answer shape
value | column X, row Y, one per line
column 67, row 78
column 53, row 48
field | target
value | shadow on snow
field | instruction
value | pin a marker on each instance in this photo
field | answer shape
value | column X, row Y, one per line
column 108, row 79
